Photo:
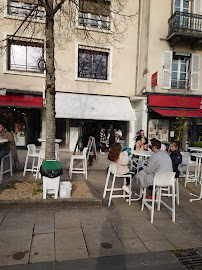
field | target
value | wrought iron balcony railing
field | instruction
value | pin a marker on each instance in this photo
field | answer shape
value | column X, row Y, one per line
column 182, row 21
column 180, row 84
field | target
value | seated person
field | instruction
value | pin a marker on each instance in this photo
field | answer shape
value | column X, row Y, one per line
column 158, row 162
column 141, row 142
column 5, row 147
column 121, row 160
column 176, row 157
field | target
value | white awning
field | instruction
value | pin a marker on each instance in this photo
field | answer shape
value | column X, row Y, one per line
column 80, row 106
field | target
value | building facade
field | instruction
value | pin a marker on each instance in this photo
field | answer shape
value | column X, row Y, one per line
column 95, row 72
column 169, row 68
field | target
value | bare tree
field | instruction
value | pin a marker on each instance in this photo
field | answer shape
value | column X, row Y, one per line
column 60, row 19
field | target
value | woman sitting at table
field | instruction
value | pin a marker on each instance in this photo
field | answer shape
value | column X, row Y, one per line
column 176, row 157
column 121, row 160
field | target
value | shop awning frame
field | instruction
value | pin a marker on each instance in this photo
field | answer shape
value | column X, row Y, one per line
column 178, row 113
column 97, row 107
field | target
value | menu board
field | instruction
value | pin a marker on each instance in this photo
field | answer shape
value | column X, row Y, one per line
column 158, row 129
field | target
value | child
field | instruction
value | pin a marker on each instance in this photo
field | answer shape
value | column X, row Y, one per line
column 176, row 157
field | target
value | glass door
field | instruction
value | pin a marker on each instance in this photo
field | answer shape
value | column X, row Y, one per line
column 183, row 18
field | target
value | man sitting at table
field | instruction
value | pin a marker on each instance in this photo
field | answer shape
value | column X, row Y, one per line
column 5, row 147
column 158, row 162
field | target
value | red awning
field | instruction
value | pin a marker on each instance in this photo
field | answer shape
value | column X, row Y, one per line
column 30, row 101
column 184, row 113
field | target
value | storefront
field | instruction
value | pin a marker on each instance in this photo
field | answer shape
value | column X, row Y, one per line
column 80, row 114
column 172, row 115
column 21, row 114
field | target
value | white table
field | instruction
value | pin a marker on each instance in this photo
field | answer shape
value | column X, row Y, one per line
column 3, row 140
column 196, row 149
column 44, row 140
column 198, row 172
column 144, row 154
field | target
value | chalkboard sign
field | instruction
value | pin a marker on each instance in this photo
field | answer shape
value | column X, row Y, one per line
column 91, row 148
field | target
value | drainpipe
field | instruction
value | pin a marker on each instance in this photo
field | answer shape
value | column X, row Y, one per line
column 138, row 45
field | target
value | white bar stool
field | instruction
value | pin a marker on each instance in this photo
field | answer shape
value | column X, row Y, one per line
column 161, row 180
column 4, row 164
column 186, row 161
column 83, row 169
column 112, row 169
column 31, row 152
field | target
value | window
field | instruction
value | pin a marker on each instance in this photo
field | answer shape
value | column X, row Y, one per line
column 180, row 67
column 25, row 56
column 181, row 5
column 92, row 64
column 94, row 14
column 21, row 8
column 180, row 71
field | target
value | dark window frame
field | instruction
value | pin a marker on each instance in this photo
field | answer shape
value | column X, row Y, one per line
column 25, row 44
column 92, row 75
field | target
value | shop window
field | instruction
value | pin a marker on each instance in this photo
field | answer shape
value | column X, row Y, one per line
column 92, row 64
column 176, row 69
column 94, row 14
column 23, row 8
column 25, row 56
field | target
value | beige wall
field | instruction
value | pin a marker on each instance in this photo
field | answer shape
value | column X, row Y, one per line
column 122, row 58
column 153, row 44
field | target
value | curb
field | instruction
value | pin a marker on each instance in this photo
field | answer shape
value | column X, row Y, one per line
column 96, row 201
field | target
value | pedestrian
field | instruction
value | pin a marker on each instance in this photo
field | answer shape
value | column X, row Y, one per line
column 111, row 137
column 102, row 140
column 121, row 160
column 176, row 157
column 5, row 147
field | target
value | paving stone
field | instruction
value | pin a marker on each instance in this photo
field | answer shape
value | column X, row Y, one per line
column 66, row 219
column 1, row 217
column 148, row 232
column 103, row 242
column 70, row 244
column 45, row 222
column 160, row 245
column 42, row 249
column 14, row 246
column 114, row 215
column 15, row 220
column 124, row 230
column 178, row 236
column 133, row 246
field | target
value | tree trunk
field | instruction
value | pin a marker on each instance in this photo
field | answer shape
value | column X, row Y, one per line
column 50, row 84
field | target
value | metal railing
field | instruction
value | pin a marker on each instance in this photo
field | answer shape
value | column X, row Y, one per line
column 180, row 84
column 182, row 21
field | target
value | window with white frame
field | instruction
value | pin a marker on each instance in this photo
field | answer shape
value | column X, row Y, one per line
column 94, row 14
column 93, row 64
column 25, row 56
column 22, row 8
column 180, row 71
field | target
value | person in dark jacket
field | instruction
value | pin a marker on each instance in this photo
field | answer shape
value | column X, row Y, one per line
column 176, row 157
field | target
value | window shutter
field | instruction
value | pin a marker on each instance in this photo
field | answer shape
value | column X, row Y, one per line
column 166, row 72
column 197, row 6
column 195, row 72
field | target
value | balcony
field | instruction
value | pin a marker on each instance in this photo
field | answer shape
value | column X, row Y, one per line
column 186, row 28
column 180, row 84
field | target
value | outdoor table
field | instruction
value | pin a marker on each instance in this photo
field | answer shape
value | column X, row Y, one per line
column 196, row 149
column 144, row 154
column 3, row 140
column 198, row 172
column 44, row 140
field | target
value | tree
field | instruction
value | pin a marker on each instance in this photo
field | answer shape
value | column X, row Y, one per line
column 62, row 15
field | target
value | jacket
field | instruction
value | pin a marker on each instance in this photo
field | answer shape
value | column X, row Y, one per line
column 121, row 164
column 158, row 162
column 6, row 135
column 176, row 158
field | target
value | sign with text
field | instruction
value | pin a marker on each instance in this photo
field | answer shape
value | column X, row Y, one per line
column 155, row 79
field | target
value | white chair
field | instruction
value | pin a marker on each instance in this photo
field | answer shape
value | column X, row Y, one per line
column 133, row 162
column 186, row 161
column 112, row 170
column 81, row 170
column 31, row 152
column 40, row 160
column 161, row 180
column 5, row 162
column 50, row 186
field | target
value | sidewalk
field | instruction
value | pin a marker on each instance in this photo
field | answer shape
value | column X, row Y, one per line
column 119, row 237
